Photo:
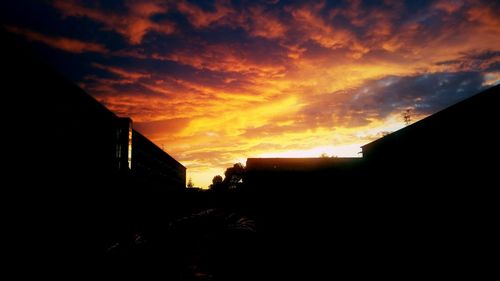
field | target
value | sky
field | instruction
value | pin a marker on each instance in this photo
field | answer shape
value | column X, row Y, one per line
column 216, row 82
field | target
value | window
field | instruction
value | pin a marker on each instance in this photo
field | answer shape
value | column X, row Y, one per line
column 129, row 151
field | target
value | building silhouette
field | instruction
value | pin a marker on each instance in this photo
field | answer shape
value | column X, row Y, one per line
column 70, row 134
column 450, row 146
column 455, row 145
column 79, row 175
column 420, row 202
column 283, row 174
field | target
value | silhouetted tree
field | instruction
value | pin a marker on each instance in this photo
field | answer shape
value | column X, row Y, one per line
column 234, row 175
column 190, row 183
column 233, row 178
column 217, row 180
column 216, row 183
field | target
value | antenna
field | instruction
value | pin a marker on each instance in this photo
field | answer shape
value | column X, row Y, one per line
column 407, row 116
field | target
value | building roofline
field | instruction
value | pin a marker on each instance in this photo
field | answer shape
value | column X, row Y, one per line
column 157, row 148
column 434, row 116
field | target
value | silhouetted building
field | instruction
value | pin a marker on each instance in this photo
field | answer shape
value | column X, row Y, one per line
column 151, row 163
column 420, row 198
column 81, row 175
column 456, row 144
column 298, row 164
column 287, row 172
column 71, row 135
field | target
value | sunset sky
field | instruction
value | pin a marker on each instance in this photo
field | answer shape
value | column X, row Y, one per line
column 215, row 82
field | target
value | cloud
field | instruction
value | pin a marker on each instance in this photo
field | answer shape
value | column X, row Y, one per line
column 256, row 20
column 267, row 26
column 318, row 30
column 133, row 23
column 377, row 99
column 131, row 75
column 448, row 6
column 228, row 57
column 473, row 60
column 200, row 18
column 161, row 128
column 310, row 24
column 259, row 21
column 141, row 107
column 62, row 43
column 485, row 14
column 363, row 113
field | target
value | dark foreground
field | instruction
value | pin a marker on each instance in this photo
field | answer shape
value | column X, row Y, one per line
column 238, row 235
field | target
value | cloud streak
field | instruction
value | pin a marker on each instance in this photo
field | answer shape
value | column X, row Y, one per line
column 63, row 43
column 134, row 22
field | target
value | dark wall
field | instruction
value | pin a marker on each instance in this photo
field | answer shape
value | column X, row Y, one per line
column 58, row 158
column 287, row 174
column 152, row 164
column 454, row 146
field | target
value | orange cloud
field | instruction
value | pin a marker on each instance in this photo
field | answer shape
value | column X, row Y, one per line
column 449, row 6
column 222, row 57
column 133, row 76
column 265, row 24
column 61, row 43
column 487, row 16
column 255, row 20
column 133, row 25
column 315, row 28
column 200, row 18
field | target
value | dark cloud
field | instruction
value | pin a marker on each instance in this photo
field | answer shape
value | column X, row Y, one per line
column 133, row 19
column 70, row 45
column 473, row 60
column 425, row 93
